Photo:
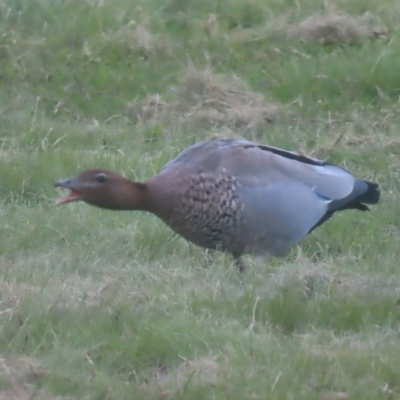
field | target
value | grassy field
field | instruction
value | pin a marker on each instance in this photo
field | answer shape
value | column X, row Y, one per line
column 105, row 305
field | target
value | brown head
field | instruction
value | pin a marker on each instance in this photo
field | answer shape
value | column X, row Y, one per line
column 104, row 189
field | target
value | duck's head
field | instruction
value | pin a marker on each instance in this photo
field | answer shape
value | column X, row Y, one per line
column 103, row 189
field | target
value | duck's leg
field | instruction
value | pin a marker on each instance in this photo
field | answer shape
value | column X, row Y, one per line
column 239, row 262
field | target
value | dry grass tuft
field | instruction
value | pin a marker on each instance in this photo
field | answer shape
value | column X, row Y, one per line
column 203, row 370
column 12, row 294
column 152, row 107
column 338, row 28
column 206, row 100
column 137, row 38
column 206, row 97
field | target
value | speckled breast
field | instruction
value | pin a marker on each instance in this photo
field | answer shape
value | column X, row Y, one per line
column 209, row 212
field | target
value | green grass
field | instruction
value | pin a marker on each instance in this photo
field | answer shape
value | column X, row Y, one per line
column 103, row 305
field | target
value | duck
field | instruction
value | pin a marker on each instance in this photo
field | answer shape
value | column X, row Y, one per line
column 232, row 195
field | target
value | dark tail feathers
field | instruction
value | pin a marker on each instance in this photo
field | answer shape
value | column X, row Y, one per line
column 371, row 195
column 363, row 192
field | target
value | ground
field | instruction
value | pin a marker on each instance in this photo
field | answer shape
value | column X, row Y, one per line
column 97, row 304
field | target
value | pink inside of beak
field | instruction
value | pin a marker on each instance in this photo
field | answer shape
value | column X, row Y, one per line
column 73, row 196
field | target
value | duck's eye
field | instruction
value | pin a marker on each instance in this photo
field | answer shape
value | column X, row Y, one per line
column 101, row 178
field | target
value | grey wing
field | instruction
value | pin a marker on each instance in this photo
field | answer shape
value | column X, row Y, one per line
column 263, row 165
column 279, row 216
column 259, row 166
column 199, row 156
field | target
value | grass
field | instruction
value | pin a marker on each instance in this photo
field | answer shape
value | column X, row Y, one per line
column 104, row 305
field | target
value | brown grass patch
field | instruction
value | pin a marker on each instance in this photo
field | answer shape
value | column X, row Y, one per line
column 321, row 278
column 71, row 293
column 22, row 376
column 205, row 100
column 338, row 28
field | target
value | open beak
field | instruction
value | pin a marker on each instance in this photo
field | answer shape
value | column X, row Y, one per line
column 72, row 185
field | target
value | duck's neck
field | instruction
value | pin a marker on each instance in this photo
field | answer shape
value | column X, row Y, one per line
column 135, row 197
column 154, row 195
column 158, row 197
column 123, row 195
